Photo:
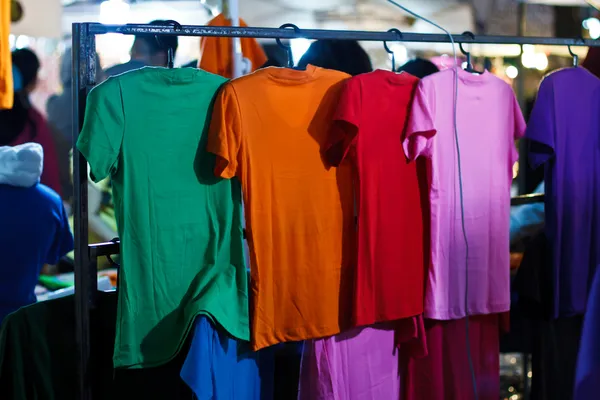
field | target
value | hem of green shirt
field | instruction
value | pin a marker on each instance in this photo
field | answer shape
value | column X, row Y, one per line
column 239, row 334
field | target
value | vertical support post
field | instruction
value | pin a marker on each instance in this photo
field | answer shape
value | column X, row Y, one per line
column 231, row 11
column 522, row 178
column 83, row 72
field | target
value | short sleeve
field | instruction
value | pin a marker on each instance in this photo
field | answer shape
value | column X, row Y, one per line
column 420, row 128
column 62, row 242
column 102, row 133
column 540, row 131
column 225, row 133
column 346, row 122
column 518, row 127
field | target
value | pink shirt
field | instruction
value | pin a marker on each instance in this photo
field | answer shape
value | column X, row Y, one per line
column 360, row 364
column 489, row 121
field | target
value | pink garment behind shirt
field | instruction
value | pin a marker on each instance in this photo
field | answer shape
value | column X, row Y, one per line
column 361, row 364
column 43, row 136
column 445, row 374
column 489, row 120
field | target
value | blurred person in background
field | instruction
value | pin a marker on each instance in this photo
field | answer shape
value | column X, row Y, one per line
column 23, row 123
column 419, row 67
column 340, row 55
column 34, row 231
column 147, row 51
column 60, row 118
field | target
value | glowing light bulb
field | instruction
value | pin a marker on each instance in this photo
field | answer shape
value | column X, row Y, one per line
column 512, row 72
column 541, row 61
column 528, row 57
column 593, row 27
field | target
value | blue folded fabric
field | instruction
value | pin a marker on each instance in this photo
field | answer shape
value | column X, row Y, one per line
column 219, row 367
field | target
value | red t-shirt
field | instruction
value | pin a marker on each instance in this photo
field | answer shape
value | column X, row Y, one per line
column 369, row 128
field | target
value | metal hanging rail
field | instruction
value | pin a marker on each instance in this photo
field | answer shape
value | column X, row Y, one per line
column 84, row 67
column 274, row 33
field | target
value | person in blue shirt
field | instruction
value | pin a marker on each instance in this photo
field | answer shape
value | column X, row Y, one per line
column 34, row 230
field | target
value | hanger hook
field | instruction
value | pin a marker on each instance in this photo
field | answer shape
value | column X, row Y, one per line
column 288, row 48
column 388, row 50
column 170, row 56
column 467, row 53
column 575, row 56
column 460, row 44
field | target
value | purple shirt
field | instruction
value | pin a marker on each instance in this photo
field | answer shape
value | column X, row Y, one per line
column 563, row 131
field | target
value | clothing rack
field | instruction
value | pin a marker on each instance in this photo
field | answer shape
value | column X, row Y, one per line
column 84, row 68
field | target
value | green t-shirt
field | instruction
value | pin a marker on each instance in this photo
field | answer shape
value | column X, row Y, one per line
column 180, row 226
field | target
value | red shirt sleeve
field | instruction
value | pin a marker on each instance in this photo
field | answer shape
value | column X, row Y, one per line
column 346, row 122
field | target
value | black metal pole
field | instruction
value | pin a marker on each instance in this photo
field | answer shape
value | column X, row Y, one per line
column 273, row 33
column 522, row 178
column 83, row 69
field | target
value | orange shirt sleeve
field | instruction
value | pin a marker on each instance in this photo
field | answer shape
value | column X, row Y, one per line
column 225, row 134
column 6, row 81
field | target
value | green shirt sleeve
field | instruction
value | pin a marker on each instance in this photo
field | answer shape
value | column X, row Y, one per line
column 102, row 134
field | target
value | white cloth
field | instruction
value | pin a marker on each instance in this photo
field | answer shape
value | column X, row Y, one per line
column 21, row 165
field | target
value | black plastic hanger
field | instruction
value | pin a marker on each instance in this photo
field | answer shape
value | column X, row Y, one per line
column 288, row 48
column 469, row 67
column 575, row 57
column 170, row 53
column 385, row 46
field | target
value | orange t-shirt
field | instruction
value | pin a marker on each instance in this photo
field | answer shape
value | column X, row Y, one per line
column 269, row 129
column 6, row 82
column 215, row 52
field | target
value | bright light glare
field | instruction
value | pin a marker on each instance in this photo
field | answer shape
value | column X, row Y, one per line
column 114, row 12
column 464, row 65
column 593, row 27
column 528, row 59
column 528, row 48
column 400, row 53
column 22, row 42
column 512, row 72
column 299, row 47
column 541, row 61
column 528, row 56
column 11, row 41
